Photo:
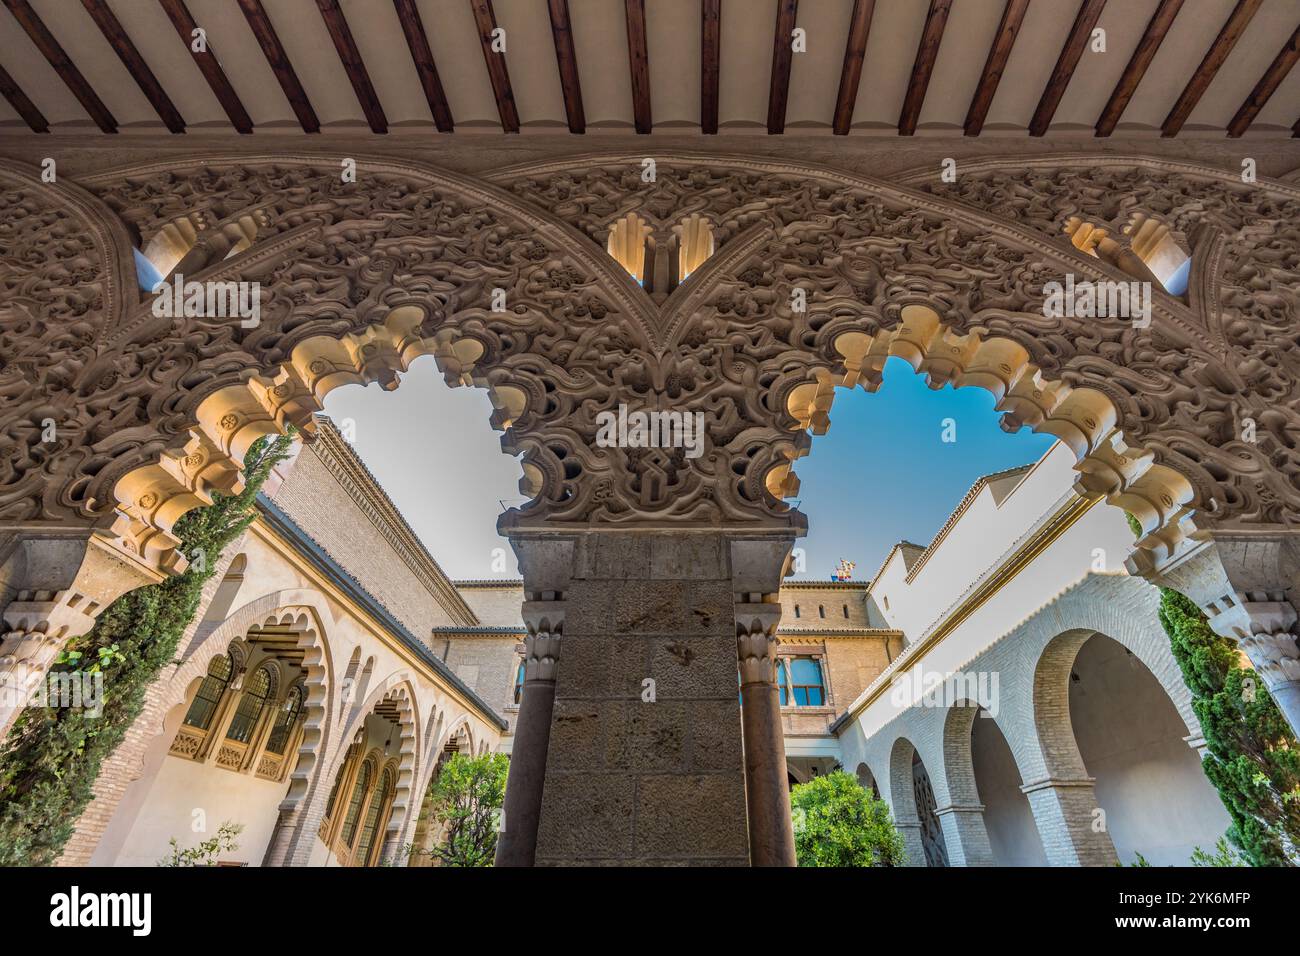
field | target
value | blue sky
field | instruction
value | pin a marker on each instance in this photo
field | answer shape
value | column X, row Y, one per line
column 881, row 474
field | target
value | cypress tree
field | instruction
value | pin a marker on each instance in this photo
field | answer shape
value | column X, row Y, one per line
column 52, row 755
column 1253, row 759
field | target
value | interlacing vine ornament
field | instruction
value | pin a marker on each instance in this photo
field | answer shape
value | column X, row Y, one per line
column 817, row 277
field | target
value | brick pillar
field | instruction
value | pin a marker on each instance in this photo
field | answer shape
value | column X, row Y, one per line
column 1072, row 832
column 913, row 847
column 965, row 835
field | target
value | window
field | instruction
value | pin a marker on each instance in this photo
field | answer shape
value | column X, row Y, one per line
column 782, row 690
column 285, row 719
column 846, row 610
column 209, row 693
column 359, row 791
column 796, row 610
column 519, row 682
column 821, row 610
column 378, row 803
column 806, row 682
column 251, row 702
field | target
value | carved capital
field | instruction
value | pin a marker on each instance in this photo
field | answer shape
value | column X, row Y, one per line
column 542, row 654
column 756, row 641
column 1271, row 645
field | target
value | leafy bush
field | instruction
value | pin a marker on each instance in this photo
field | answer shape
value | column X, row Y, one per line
column 837, row 823
column 467, row 799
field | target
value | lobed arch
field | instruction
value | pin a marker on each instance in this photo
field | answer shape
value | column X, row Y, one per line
column 1085, row 418
column 308, row 614
column 361, row 281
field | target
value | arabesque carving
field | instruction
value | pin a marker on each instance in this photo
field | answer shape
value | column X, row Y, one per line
column 816, row 277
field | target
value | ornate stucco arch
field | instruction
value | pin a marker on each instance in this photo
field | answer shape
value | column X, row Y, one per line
column 362, row 280
column 154, row 412
column 1153, row 414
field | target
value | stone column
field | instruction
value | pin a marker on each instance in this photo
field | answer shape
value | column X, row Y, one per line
column 546, row 564
column 1065, row 812
column 771, row 836
column 517, row 840
column 53, row 587
column 965, row 835
column 913, row 845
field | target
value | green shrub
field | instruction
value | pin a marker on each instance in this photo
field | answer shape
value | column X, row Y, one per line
column 838, row 823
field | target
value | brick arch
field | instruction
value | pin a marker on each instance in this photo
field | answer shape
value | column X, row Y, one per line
column 1133, row 625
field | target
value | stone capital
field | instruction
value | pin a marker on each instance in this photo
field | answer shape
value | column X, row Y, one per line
column 756, row 642
column 542, row 655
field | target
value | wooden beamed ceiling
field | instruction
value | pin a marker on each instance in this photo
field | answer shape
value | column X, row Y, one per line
column 977, row 67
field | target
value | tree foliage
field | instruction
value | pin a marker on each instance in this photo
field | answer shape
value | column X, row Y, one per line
column 1252, row 758
column 466, row 799
column 838, row 823
column 52, row 756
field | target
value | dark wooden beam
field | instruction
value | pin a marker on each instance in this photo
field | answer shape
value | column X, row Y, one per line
column 278, row 59
column 1075, row 43
column 568, row 64
column 1228, row 36
column 710, row 64
column 855, row 52
column 126, row 51
column 25, row 108
column 418, row 43
column 350, row 56
column 1267, row 85
column 926, row 53
column 208, row 64
column 67, row 70
column 778, row 94
column 486, row 19
column 639, row 60
column 1013, row 15
column 1155, row 34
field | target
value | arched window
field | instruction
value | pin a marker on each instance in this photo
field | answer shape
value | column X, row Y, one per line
column 359, row 791
column 806, row 682
column 846, row 610
column 374, row 815
column 208, row 696
column 251, row 702
column 519, row 682
column 796, row 610
column 285, row 720
column 694, row 243
column 1155, row 245
column 627, row 243
column 821, row 610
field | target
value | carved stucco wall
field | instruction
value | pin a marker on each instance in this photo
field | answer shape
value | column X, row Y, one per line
column 359, row 279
